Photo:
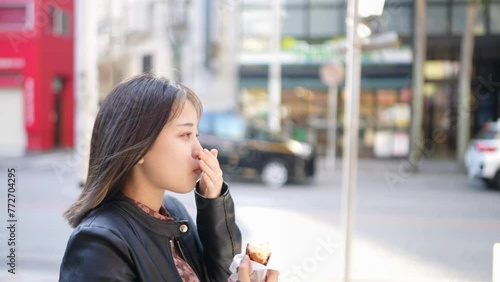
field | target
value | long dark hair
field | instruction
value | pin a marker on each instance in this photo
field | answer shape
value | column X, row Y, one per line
column 127, row 124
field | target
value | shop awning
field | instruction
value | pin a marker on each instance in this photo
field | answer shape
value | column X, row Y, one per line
column 315, row 83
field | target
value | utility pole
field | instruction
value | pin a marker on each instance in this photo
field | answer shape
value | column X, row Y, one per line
column 351, row 128
column 274, row 87
column 227, row 70
column 86, row 78
column 419, row 54
column 463, row 107
column 178, row 29
column 332, row 74
column 333, row 92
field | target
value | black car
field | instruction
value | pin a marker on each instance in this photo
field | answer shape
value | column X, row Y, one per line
column 248, row 150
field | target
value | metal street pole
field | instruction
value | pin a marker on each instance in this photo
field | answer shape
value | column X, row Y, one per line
column 351, row 128
column 331, row 74
column 86, row 76
column 332, row 125
column 274, row 90
column 419, row 51
column 463, row 107
column 227, row 72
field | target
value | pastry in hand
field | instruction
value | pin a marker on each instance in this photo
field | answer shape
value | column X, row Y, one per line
column 259, row 252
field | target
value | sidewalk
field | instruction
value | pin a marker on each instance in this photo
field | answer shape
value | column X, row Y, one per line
column 38, row 159
column 373, row 259
column 365, row 166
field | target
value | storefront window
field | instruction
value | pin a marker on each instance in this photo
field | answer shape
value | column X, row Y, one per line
column 437, row 20
column 438, row 102
column 327, row 22
column 259, row 3
column 384, row 122
column 294, row 22
column 327, row 1
column 459, row 18
column 305, row 19
column 393, row 120
column 255, row 30
column 367, row 122
column 494, row 19
column 397, row 17
column 295, row 2
column 440, row 70
column 14, row 15
column 256, row 22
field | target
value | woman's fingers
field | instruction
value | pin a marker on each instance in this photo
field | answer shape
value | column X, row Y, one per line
column 211, row 179
column 210, row 159
column 272, row 275
column 208, row 183
column 207, row 169
column 245, row 269
column 214, row 152
column 215, row 176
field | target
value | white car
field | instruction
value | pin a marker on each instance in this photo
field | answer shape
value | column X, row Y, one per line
column 482, row 158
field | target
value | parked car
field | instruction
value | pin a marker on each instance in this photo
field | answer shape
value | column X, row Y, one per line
column 249, row 150
column 482, row 158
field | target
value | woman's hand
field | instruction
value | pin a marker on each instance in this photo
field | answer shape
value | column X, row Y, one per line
column 245, row 269
column 211, row 176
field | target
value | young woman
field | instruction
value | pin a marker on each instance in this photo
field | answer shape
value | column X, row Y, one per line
column 144, row 143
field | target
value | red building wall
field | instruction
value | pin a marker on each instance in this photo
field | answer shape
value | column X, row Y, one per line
column 47, row 53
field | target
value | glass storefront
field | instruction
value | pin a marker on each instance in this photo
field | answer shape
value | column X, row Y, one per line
column 384, row 117
column 385, row 106
column 384, row 122
column 440, row 99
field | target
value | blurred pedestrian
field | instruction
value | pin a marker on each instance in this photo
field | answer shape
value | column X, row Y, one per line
column 144, row 142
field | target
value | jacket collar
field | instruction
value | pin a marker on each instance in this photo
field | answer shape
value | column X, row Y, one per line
column 176, row 228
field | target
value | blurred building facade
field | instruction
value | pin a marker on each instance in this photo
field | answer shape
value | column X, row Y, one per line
column 182, row 40
column 312, row 35
column 36, row 75
column 311, row 32
column 221, row 49
column 133, row 38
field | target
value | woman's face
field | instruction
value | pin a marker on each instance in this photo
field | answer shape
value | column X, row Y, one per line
column 172, row 162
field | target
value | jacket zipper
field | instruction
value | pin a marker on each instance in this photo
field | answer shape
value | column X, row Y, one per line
column 178, row 245
column 171, row 242
column 185, row 258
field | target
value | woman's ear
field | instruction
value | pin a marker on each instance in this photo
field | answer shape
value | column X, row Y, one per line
column 141, row 161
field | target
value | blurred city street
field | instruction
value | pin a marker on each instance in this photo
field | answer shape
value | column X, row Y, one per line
column 436, row 225
column 398, row 85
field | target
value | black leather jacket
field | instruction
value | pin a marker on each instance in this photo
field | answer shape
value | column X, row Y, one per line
column 120, row 242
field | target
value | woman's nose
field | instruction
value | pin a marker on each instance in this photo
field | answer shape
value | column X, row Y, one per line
column 197, row 149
